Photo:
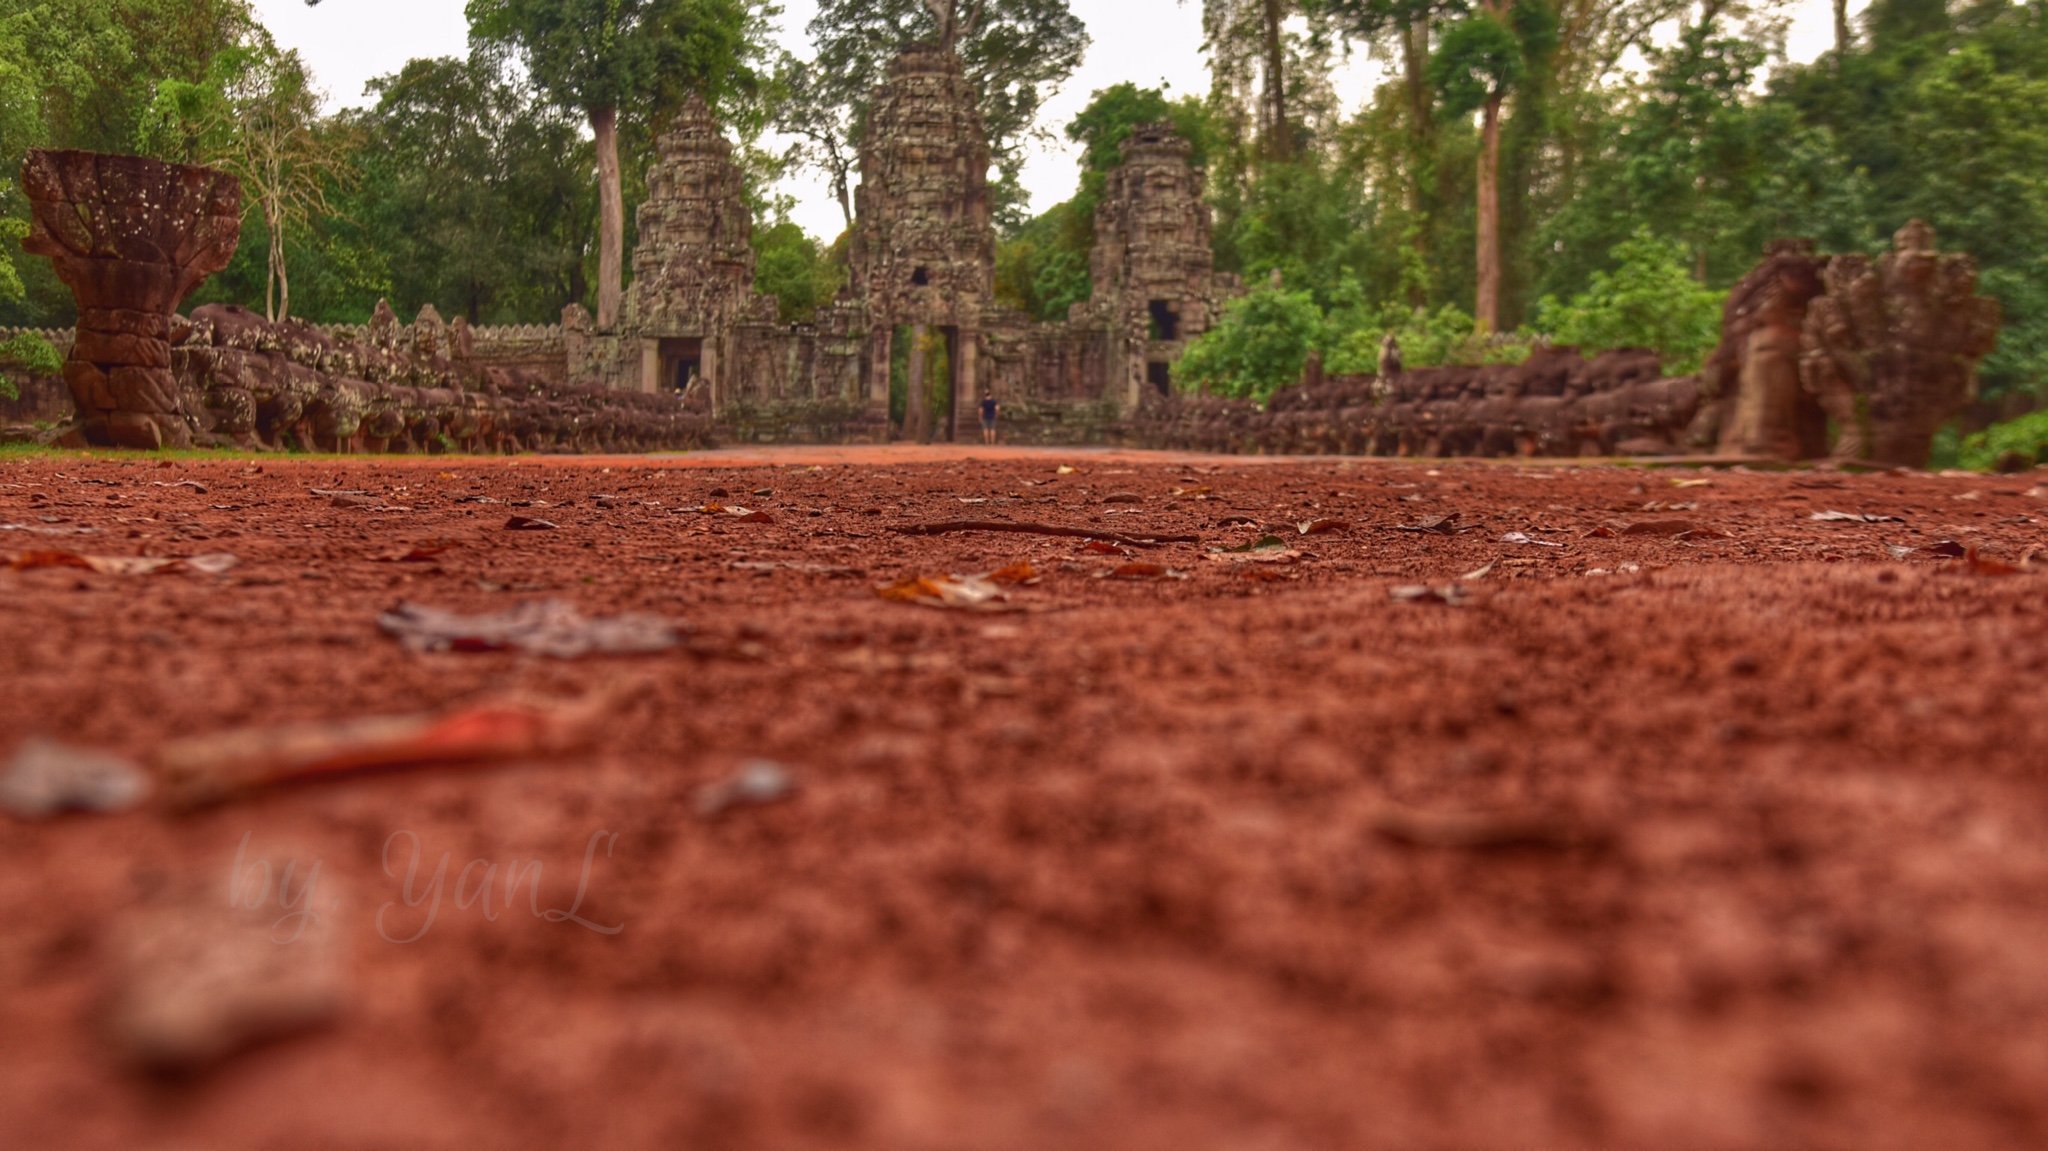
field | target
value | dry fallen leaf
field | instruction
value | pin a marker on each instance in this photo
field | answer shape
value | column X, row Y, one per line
column 46, row 777
column 1451, row 594
column 415, row 555
column 1446, row 524
column 1990, row 567
column 1853, row 518
column 964, row 592
column 743, row 515
column 757, row 782
column 197, row 980
column 542, row 627
column 1014, row 574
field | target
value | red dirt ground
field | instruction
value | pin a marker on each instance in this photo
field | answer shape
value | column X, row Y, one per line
column 1653, row 843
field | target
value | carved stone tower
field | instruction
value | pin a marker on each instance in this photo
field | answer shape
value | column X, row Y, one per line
column 693, row 267
column 1155, row 274
column 923, row 249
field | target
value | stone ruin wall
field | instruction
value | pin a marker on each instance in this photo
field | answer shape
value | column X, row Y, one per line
column 1555, row 403
column 1883, row 351
column 1841, row 357
column 921, row 253
column 132, row 237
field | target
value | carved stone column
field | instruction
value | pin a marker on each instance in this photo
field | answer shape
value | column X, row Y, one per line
column 1891, row 352
column 131, row 238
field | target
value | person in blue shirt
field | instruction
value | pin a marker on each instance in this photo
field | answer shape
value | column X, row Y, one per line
column 988, row 419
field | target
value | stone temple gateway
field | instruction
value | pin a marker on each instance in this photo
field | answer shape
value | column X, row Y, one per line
column 922, row 256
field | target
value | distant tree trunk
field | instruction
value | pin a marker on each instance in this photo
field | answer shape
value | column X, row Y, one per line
column 840, row 178
column 1842, row 27
column 1487, row 310
column 284, row 280
column 1414, row 62
column 953, row 29
column 1280, row 142
column 611, row 218
column 277, row 291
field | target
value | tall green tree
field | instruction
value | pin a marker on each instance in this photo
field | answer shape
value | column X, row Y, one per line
column 1477, row 63
column 1402, row 29
column 599, row 56
column 473, row 192
column 84, row 74
column 1248, row 43
column 257, row 116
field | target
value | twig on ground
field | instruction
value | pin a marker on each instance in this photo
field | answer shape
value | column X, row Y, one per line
column 1039, row 530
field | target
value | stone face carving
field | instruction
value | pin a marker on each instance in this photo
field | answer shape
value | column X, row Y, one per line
column 923, row 249
column 131, row 238
column 693, row 266
column 1891, row 351
column 1882, row 352
column 1153, row 265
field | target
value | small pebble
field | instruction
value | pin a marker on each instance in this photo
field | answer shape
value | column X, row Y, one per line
column 46, row 777
column 758, row 781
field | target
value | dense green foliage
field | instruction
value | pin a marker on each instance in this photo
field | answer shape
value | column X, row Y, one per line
column 1260, row 345
column 2022, row 442
column 1647, row 301
column 472, row 194
column 802, row 275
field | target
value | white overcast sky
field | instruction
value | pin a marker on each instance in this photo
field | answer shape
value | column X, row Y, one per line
column 1148, row 42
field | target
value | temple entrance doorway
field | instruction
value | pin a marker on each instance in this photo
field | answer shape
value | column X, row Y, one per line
column 682, row 363
column 923, row 381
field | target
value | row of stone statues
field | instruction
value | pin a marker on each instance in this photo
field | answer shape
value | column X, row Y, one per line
column 1555, row 403
column 1820, row 356
column 133, row 237
column 247, row 381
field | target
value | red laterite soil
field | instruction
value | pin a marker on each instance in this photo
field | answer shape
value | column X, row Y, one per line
column 1735, row 839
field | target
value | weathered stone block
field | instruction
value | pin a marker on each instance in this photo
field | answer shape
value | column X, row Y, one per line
column 151, row 325
column 148, row 390
column 116, row 348
column 88, row 386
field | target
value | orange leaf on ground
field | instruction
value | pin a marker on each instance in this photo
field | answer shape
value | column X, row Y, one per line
column 208, row 768
column 1989, row 567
